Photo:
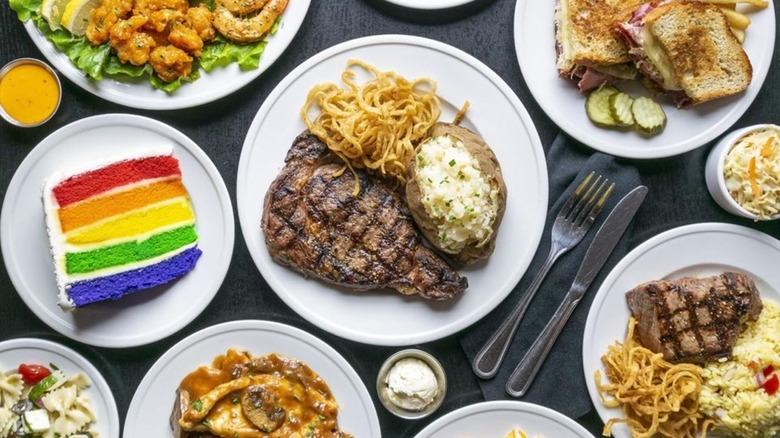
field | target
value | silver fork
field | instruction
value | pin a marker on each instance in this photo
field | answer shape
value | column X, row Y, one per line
column 572, row 223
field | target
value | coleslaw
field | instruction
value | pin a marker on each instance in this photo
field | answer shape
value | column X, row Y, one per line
column 751, row 170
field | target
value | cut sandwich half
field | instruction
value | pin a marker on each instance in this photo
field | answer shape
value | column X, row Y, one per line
column 589, row 50
column 687, row 50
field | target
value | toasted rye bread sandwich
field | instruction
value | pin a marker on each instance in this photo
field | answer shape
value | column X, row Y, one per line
column 589, row 49
column 687, row 50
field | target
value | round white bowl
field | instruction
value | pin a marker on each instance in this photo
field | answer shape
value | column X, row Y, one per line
column 713, row 172
column 17, row 62
column 438, row 370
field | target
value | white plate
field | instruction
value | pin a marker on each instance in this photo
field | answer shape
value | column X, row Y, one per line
column 37, row 351
column 143, row 317
column 497, row 418
column 686, row 129
column 694, row 250
column 150, row 408
column 138, row 93
column 430, row 4
column 495, row 112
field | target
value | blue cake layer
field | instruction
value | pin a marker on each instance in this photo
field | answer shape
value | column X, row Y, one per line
column 114, row 287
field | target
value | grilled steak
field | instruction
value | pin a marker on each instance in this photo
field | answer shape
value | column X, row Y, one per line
column 694, row 319
column 313, row 224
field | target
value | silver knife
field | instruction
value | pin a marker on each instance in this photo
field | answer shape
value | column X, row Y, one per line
column 606, row 238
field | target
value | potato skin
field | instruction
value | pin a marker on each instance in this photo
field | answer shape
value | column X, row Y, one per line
column 490, row 168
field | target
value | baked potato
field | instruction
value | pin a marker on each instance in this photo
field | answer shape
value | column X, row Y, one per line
column 456, row 194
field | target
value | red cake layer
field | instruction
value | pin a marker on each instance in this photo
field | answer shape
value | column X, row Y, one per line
column 87, row 184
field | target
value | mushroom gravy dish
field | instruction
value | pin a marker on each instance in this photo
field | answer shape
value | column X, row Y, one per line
column 244, row 396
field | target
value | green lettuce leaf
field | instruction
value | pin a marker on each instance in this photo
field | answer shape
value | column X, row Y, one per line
column 220, row 53
column 25, row 9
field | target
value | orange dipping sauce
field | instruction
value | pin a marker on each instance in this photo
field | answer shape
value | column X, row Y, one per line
column 29, row 93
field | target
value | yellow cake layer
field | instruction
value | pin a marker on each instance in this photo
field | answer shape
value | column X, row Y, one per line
column 135, row 222
column 95, row 209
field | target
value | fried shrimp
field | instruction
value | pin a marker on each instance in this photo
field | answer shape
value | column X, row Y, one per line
column 185, row 38
column 170, row 63
column 248, row 29
column 242, row 7
column 162, row 20
column 200, row 20
column 131, row 45
column 146, row 7
column 104, row 17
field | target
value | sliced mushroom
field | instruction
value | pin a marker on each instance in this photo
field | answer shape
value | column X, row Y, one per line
column 261, row 408
column 181, row 404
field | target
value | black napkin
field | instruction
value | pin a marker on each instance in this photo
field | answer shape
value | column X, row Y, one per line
column 560, row 384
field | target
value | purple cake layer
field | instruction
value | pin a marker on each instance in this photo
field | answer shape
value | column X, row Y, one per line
column 114, row 287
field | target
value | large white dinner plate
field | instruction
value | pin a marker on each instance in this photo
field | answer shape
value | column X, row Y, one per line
column 698, row 250
column 144, row 316
column 388, row 318
column 686, row 129
column 150, row 408
column 138, row 93
column 497, row 418
column 37, row 351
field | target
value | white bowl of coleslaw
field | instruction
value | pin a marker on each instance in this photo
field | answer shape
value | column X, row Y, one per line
column 743, row 172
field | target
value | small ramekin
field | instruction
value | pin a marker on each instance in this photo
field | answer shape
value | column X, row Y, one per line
column 713, row 172
column 438, row 371
column 8, row 67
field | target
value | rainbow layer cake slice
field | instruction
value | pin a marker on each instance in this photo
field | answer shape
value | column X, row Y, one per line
column 119, row 227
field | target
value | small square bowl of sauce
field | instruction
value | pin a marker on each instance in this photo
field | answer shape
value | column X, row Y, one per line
column 30, row 92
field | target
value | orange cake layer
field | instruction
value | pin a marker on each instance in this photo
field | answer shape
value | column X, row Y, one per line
column 96, row 209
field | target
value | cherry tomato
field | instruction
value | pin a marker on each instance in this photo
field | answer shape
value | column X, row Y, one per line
column 32, row 374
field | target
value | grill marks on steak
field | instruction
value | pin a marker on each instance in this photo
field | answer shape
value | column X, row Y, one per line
column 313, row 224
column 694, row 319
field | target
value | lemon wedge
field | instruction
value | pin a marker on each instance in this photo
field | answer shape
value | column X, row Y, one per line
column 76, row 15
column 52, row 10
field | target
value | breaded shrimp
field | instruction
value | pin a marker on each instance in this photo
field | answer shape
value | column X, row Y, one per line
column 185, row 38
column 200, row 20
column 248, row 30
column 162, row 20
column 242, row 7
column 131, row 45
column 103, row 17
column 170, row 63
column 146, row 7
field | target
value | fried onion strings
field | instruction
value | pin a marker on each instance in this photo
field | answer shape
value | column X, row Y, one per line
column 376, row 125
column 657, row 397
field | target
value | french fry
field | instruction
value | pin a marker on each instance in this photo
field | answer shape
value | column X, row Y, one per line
column 740, row 34
column 759, row 3
column 736, row 19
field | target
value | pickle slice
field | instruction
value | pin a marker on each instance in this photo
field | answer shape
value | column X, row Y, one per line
column 620, row 108
column 649, row 116
column 597, row 106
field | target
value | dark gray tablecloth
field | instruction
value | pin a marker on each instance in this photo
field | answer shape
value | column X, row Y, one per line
column 560, row 383
column 484, row 29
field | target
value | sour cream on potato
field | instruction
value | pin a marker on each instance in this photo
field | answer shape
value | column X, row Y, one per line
column 455, row 193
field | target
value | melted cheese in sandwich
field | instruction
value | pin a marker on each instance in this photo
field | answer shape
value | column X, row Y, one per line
column 659, row 58
column 564, row 33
